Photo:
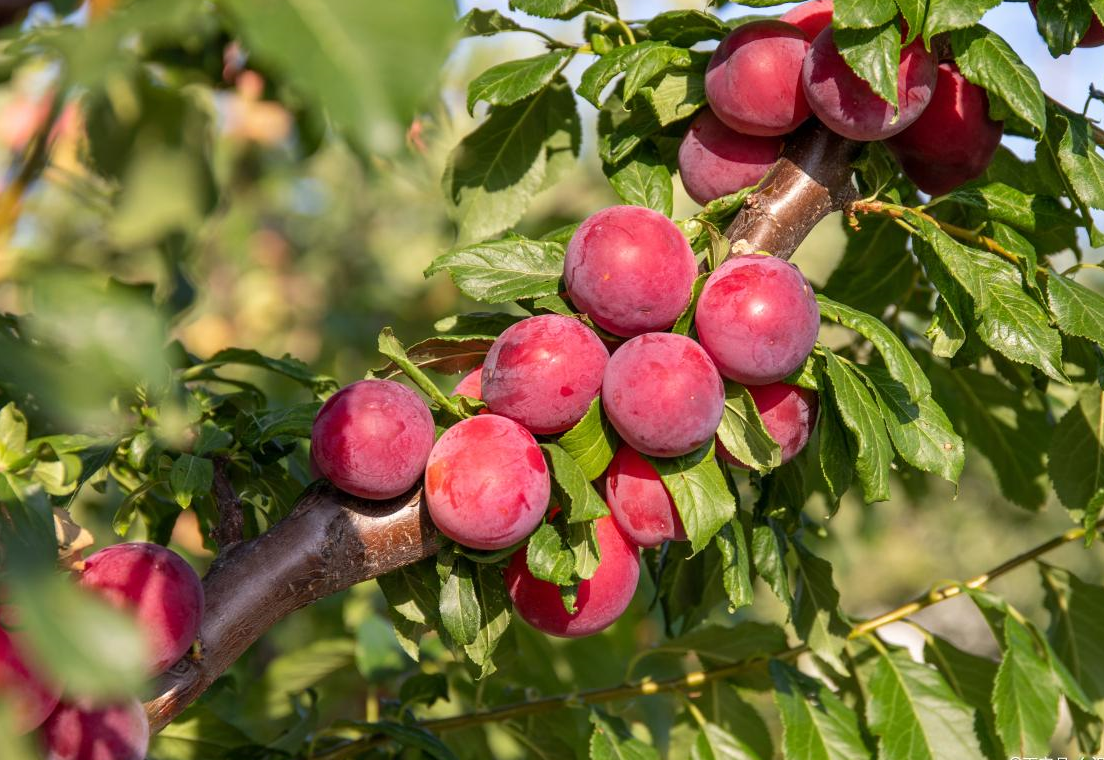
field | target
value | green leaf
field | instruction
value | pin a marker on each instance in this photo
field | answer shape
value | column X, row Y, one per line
column 611, row 740
column 643, row 180
column 1076, row 461
column 295, row 421
column 288, row 366
column 460, row 611
column 548, row 557
column 507, row 83
column 592, row 442
column 447, row 354
column 640, row 62
column 816, row 724
column 197, row 732
column 1062, row 23
column 948, row 15
column 915, row 714
column 971, row 678
column 13, row 434
column 390, row 347
column 564, row 9
column 1025, row 695
column 1010, row 431
column 876, row 270
column 744, row 434
column 700, row 492
column 495, row 171
column 862, row 14
column 1077, row 309
column 494, row 618
column 874, row 55
column 685, row 321
column 986, row 60
column 863, row 417
column 726, row 645
column 834, row 453
column 481, row 23
column 902, row 367
column 1079, row 158
column 369, row 66
column 920, row 430
column 735, row 564
column 583, row 502
column 504, row 270
column 1032, row 213
column 413, row 592
column 1076, row 630
column 913, row 12
column 817, row 618
column 714, row 743
column 674, row 96
column 484, row 324
column 1010, row 320
column 768, row 550
column 685, row 28
column 190, row 476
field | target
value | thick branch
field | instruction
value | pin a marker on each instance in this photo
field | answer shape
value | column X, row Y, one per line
column 811, row 180
column 231, row 522
column 330, row 542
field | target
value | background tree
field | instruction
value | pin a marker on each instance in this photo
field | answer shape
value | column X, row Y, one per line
column 188, row 176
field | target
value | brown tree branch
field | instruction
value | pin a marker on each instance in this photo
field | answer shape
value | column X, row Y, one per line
column 231, row 522
column 332, row 540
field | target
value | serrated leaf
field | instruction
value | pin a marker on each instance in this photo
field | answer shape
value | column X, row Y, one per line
column 735, row 564
column 413, row 593
column 460, row 612
column 1079, row 158
column 834, row 453
column 504, row 270
column 714, row 743
column 321, row 385
column 639, row 62
column 1076, row 630
column 189, row 477
column 548, row 557
column 744, row 434
column 446, row 354
column 1076, row 461
column 1030, row 212
column 685, row 28
column 642, row 180
column 876, row 269
column 948, row 15
column 725, row 645
column 592, row 442
column 1062, row 23
column 971, row 678
column 295, row 420
column 700, row 492
column 920, row 430
column 816, row 616
column 494, row 172
column 1025, row 695
column 986, row 60
column 1077, row 309
column 862, row 14
column 494, row 618
column 913, row 12
column 13, row 434
column 564, row 9
column 1007, row 429
column 507, row 83
column 874, row 55
column 583, row 540
column 481, row 23
column 675, row 96
column 915, row 714
column 768, row 550
column 816, row 724
column 584, row 503
column 611, row 740
column 862, row 416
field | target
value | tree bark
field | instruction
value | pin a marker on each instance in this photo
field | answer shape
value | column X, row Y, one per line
column 332, row 541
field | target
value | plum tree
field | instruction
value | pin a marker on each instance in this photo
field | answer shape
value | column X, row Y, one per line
column 789, row 413
column 600, row 599
column 543, row 372
column 630, row 269
column 753, row 80
column 639, row 501
column 663, row 394
column 161, row 589
column 487, row 484
column 82, row 731
column 812, row 17
column 21, row 688
column 372, row 438
column 714, row 160
column 849, row 107
column 954, row 140
column 471, row 385
column 757, row 318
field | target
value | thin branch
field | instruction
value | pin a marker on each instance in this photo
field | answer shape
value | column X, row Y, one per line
column 696, row 679
column 1097, row 132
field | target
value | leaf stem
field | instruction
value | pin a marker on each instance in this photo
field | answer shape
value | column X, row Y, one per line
column 696, row 679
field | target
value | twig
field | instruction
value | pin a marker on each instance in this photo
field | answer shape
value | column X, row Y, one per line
column 647, row 687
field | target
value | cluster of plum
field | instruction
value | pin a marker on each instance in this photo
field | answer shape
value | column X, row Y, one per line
column 165, row 596
column 630, row 271
column 767, row 77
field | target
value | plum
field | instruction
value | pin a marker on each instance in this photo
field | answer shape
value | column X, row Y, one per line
column 715, row 161
column 789, row 413
column 663, row 394
column 372, row 439
column 757, row 318
column 753, row 80
column 812, row 17
column 600, row 600
column 630, row 270
column 21, row 688
column 81, row 731
column 639, row 501
column 487, row 484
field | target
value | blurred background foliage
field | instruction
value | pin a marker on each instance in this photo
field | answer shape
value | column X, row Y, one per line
column 194, row 198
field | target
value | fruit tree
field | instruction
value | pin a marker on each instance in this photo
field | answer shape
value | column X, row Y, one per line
column 742, row 326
